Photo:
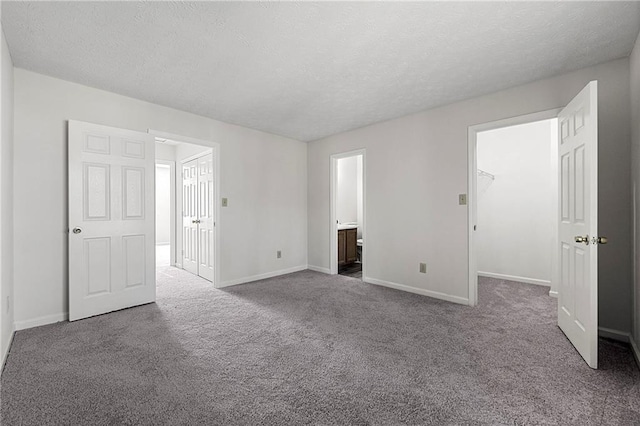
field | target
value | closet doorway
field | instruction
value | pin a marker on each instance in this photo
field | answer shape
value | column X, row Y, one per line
column 194, row 209
column 198, row 217
column 514, row 203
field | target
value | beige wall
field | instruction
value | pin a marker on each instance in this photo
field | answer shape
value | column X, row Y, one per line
column 417, row 165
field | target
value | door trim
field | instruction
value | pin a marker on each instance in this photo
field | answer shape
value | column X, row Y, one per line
column 172, row 207
column 472, row 199
column 333, row 227
column 216, row 151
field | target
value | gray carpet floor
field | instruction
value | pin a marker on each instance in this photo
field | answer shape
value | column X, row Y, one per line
column 308, row 348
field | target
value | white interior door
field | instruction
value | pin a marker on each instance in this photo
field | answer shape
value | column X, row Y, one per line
column 206, row 223
column 111, row 219
column 190, row 216
column 578, row 211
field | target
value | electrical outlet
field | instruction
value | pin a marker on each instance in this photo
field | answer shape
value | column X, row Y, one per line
column 462, row 199
column 225, row 202
column 279, row 254
column 423, row 268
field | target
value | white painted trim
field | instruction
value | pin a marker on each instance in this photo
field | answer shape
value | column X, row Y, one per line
column 333, row 226
column 263, row 276
column 515, row 278
column 553, row 293
column 216, row 149
column 5, row 355
column 609, row 333
column 44, row 320
column 635, row 350
column 319, row 269
column 172, row 208
column 472, row 166
column 423, row 292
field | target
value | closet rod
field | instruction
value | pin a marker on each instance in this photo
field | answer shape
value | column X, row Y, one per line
column 483, row 173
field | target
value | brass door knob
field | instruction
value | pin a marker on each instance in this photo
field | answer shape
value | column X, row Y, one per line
column 600, row 240
column 580, row 239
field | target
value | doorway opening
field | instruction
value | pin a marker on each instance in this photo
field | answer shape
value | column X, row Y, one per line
column 514, row 203
column 165, row 213
column 187, row 184
column 348, row 207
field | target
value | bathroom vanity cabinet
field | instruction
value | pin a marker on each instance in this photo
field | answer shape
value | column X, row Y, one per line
column 347, row 246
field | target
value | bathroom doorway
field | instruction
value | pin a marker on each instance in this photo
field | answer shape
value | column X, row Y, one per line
column 348, row 207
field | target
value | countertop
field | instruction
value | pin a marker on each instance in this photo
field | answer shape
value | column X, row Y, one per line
column 341, row 227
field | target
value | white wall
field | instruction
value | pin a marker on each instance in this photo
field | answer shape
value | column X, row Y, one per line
column 165, row 152
column 635, row 168
column 347, row 190
column 263, row 175
column 6, row 200
column 515, row 232
column 417, row 166
column 163, row 204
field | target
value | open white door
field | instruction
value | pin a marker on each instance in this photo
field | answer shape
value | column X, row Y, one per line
column 111, row 219
column 578, row 212
column 206, row 223
column 190, row 216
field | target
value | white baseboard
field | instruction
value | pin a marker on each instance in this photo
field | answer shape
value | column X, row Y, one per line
column 553, row 293
column 37, row 322
column 319, row 269
column 609, row 333
column 262, row 276
column 6, row 352
column 635, row 350
column 421, row 291
column 515, row 278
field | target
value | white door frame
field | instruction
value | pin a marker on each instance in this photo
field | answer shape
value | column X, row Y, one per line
column 215, row 149
column 333, row 226
column 172, row 208
column 472, row 199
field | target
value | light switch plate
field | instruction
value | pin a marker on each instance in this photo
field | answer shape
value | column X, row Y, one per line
column 224, row 202
column 423, row 268
column 279, row 254
column 462, row 199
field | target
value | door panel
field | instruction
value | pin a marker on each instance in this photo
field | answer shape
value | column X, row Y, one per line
column 352, row 245
column 111, row 256
column 206, row 223
column 578, row 159
column 342, row 247
column 189, row 217
column 199, row 216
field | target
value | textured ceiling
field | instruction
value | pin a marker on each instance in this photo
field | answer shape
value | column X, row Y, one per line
column 309, row 70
